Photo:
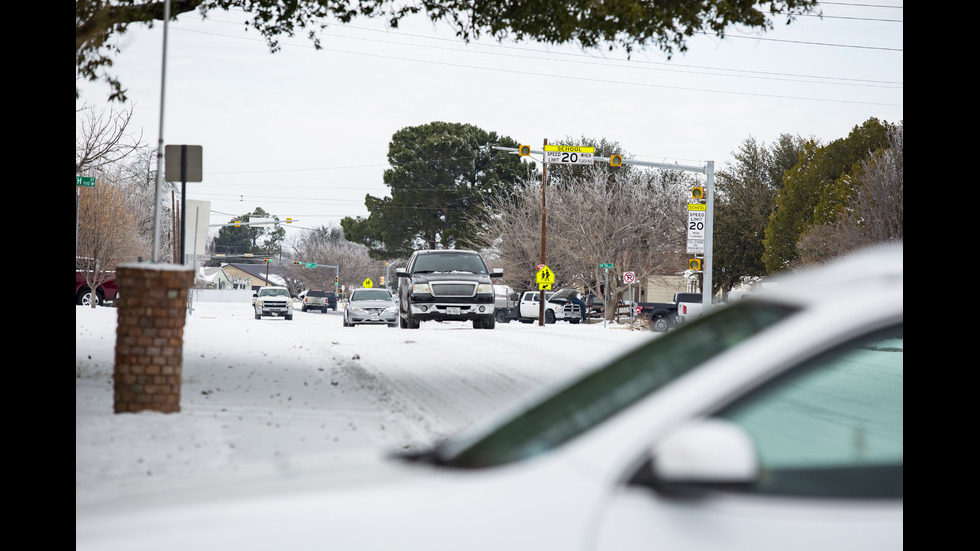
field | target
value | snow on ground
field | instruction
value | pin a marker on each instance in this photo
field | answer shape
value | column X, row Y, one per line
column 288, row 395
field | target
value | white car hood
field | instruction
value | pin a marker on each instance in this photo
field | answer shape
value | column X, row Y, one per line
column 361, row 503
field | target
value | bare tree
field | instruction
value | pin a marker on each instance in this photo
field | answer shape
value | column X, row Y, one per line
column 103, row 137
column 326, row 246
column 106, row 229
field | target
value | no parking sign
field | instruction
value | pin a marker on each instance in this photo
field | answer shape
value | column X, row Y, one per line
column 629, row 277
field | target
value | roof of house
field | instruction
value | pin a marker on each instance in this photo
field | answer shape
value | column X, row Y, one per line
column 259, row 271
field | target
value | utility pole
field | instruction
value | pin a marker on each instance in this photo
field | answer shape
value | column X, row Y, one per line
column 544, row 223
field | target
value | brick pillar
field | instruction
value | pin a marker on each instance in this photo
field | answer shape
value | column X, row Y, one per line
column 150, row 337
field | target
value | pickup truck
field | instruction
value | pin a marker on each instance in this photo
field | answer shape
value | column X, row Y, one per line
column 664, row 315
column 446, row 284
column 557, row 307
column 273, row 301
column 317, row 299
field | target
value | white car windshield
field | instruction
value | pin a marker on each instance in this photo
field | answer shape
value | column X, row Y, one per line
column 607, row 391
column 274, row 293
column 370, row 294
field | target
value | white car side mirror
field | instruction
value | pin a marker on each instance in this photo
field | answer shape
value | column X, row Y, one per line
column 707, row 452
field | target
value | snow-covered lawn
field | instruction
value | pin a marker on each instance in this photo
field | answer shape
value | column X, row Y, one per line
column 272, row 393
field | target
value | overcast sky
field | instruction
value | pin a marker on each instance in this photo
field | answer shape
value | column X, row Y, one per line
column 304, row 133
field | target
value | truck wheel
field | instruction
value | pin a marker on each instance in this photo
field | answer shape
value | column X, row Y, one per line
column 501, row 317
column 490, row 323
column 411, row 323
column 549, row 316
column 289, row 316
column 258, row 316
column 660, row 324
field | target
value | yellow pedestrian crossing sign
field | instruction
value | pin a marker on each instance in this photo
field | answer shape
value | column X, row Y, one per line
column 367, row 284
column 545, row 278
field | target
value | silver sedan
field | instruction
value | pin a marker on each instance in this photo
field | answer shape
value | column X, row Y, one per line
column 370, row 306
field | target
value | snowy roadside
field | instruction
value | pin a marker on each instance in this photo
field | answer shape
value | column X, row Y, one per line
column 290, row 395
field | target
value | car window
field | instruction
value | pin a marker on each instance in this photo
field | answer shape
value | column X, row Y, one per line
column 447, row 262
column 371, row 294
column 316, row 294
column 832, row 427
column 274, row 292
column 603, row 393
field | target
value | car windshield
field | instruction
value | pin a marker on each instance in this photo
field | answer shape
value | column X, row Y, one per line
column 605, row 392
column 449, row 262
column 370, row 294
column 267, row 292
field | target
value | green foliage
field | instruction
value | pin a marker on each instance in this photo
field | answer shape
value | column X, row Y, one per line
column 441, row 178
column 630, row 24
column 244, row 239
column 815, row 190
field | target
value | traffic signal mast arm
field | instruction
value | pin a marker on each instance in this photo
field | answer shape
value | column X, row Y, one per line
column 667, row 166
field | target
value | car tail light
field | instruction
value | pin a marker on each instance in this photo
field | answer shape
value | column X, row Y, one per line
column 685, row 309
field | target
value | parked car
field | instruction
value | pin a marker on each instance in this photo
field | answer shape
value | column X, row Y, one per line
column 770, row 424
column 104, row 294
column 556, row 308
column 370, row 307
column 332, row 300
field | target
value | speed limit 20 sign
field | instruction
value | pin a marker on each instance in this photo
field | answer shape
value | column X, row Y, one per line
column 629, row 277
column 569, row 154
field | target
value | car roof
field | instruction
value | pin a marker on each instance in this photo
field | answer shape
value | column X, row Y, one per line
column 873, row 273
column 445, row 251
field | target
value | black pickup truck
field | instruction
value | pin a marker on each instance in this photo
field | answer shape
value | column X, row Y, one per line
column 446, row 284
column 664, row 315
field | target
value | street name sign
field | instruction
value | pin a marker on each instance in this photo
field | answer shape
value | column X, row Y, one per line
column 84, row 181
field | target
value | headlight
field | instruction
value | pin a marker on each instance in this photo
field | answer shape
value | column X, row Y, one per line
column 258, row 303
column 390, row 309
column 485, row 288
column 356, row 309
column 420, row 288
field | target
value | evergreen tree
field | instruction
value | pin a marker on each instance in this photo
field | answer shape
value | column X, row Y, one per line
column 441, row 178
column 815, row 190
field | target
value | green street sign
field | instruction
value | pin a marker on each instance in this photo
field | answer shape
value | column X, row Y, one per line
column 84, row 181
column 606, row 265
column 311, row 264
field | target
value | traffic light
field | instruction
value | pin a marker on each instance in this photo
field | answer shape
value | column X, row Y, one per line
column 615, row 160
column 295, row 262
column 697, row 193
column 336, row 281
column 694, row 264
column 524, row 150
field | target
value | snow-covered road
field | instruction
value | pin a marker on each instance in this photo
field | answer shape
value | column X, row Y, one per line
column 273, row 393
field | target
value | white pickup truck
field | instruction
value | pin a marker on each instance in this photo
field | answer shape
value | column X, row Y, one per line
column 557, row 307
column 689, row 306
column 273, row 301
